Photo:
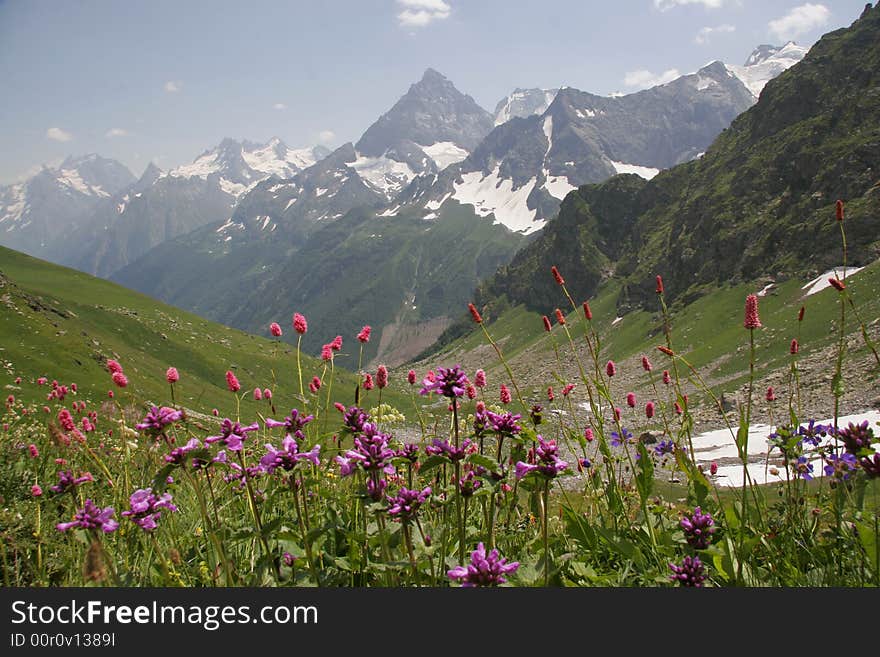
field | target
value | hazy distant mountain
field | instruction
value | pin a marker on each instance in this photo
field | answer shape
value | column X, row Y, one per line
column 39, row 215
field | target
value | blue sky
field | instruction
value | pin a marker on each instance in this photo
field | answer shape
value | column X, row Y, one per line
column 166, row 80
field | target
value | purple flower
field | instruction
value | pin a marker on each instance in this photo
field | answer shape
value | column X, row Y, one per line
column 371, row 452
column 813, row 433
column 91, row 517
column 857, row 437
column 407, row 502
column 288, row 559
column 698, row 529
column 449, row 382
column 232, row 434
column 664, row 447
column 548, row 464
column 146, row 508
column 469, row 483
column 483, row 570
column 840, row 467
column 871, row 465
column 293, row 423
column 66, row 481
column 504, row 424
column 178, row 454
column 376, row 488
column 159, row 418
column 354, row 419
column 689, row 573
column 617, row 441
column 803, row 468
column 445, row 448
column 409, row 451
column 288, row 456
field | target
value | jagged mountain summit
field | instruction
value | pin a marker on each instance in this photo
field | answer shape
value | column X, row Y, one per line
column 432, row 126
column 36, row 215
column 522, row 103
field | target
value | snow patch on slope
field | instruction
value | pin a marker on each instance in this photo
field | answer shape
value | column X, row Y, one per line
column 493, row 195
column 821, row 282
column 383, row 174
column 645, row 172
column 444, row 153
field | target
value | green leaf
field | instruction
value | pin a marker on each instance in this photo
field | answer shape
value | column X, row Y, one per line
column 485, row 461
column 432, row 462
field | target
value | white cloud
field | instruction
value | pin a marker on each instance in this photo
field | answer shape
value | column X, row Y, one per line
column 705, row 33
column 665, row 5
column 326, row 136
column 58, row 134
column 418, row 13
column 173, row 86
column 279, row 106
column 643, row 79
column 799, row 20
column 117, row 132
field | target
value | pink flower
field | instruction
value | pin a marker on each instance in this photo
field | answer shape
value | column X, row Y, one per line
column 610, row 368
column 550, row 396
column 299, row 323
column 411, row 377
column 381, row 376
column 112, row 367
column 368, row 381
column 646, row 364
column 36, row 491
column 267, row 394
column 837, row 284
column 471, row 391
column 275, row 329
column 752, row 321
column 336, row 345
column 678, row 409
column 258, row 394
column 480, row 379
column 713, row 468
column 326, row 352
column 649, row 410
column 73, row 387
column 120, row 379
column 666, row 378
column 617, row 413
column 557, row 276
column 42, row 381
column 771, row 395
column 364, row 335
column 34, row 452
column 316, row 381
column 588, row 435
column 838, row 210
column 794, row 347
column 475, row 313
column 659, row 288
column 588, row 314
column 232, row 382
column 215, row 412
column 505, row 394
column 559, row 316
column 110, row 394
column 171, row 375
column 546, row 321
column 567, row 389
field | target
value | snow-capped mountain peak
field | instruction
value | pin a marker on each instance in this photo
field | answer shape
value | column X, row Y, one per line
column 239, row 165
column 765, row 63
